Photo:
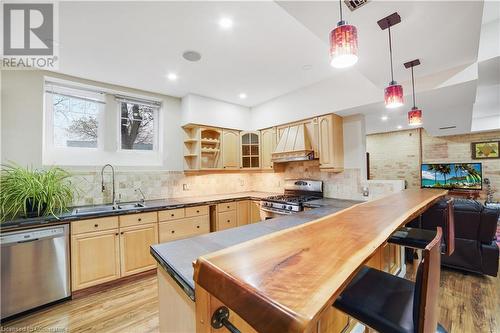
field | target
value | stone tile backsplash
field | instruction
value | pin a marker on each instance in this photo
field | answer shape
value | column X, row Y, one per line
column 171, row 184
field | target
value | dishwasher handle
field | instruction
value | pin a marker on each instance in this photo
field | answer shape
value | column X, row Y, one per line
column 32, row 235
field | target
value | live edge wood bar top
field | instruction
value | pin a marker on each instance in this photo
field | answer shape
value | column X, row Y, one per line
column 282, row 282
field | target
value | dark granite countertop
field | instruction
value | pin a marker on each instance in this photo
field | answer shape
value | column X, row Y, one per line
column 177, row 257
column 150, row 205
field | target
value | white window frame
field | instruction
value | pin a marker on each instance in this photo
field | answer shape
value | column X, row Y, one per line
column 108, row 148
column 156, row 128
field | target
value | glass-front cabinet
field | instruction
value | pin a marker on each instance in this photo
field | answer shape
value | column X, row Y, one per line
column 250, row 150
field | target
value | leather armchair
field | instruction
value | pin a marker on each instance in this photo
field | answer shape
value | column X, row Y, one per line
column 475, row 226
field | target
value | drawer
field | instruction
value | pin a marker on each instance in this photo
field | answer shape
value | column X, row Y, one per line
column 171, row 214
column 183, row 228
column 99, row 224
column 227, row 206
column 138, row 219
column 227, row 220
column 196, row 211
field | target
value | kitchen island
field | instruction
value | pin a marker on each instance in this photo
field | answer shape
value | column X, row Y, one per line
column 281, row 275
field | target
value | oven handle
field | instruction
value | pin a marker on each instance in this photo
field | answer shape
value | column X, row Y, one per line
column 275, row 211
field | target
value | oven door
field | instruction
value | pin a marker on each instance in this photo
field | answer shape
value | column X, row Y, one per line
column 269, row 213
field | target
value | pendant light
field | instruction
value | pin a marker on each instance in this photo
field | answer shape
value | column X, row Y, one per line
column 415, row 114
column 393, row 94
column 343, row 44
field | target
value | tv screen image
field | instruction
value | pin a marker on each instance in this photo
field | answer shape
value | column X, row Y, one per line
column 463, row 176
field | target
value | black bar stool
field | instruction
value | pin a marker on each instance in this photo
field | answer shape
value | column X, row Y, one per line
column 418, row 238
column 391, row 304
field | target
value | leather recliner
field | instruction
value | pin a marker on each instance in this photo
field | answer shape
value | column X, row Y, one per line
column 476, row 249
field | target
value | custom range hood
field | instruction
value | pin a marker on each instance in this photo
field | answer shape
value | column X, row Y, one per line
column 293, row 145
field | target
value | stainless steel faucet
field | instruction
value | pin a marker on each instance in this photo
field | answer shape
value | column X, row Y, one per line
column 103, row 188
column 143, row 199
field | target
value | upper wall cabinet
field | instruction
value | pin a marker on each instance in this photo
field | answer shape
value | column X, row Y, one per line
column 191, row 147
column 230, row 149
column 250, row 150
column 267, row 146
column 331, row 143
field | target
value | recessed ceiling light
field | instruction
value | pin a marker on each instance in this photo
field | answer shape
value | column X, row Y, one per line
column 172, row 76
column 226, row 23
column 400, row 127
column 384, row 118
column 243, row 95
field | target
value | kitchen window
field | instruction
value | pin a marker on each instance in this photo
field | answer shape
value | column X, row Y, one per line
column 74, row 117
column 88, row 125
column 138, row 124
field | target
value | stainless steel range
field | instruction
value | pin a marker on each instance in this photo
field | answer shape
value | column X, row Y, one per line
column 297, row 191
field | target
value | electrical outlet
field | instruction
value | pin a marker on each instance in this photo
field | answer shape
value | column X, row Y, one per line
column 242, row 182
column 185, row 187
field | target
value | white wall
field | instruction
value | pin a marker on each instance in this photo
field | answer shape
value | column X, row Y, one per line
column 22, row 118
column 203, row 110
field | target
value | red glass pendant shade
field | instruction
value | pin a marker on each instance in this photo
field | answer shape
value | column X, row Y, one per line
column 343, row 45
column 415, row 117
column 393, row 95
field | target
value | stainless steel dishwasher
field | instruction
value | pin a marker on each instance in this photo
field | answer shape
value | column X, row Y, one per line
column 35, row 268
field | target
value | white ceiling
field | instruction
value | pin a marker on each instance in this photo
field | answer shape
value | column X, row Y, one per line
column 137, row 44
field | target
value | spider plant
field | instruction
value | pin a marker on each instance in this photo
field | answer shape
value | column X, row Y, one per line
column 28, row 192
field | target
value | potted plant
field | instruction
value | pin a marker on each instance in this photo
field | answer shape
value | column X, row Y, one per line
column 27, row 192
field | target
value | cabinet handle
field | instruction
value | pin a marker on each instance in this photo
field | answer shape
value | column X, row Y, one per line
column 116, row 234
column 121, row 233
column 228, row 207
column 197, row 211
column 173, row 231
column 198, row 226
column 139, row 219
column 228, row 221
column 96, row 225
column 172, row 215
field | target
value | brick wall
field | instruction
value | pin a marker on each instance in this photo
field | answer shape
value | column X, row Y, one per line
column 395, row 155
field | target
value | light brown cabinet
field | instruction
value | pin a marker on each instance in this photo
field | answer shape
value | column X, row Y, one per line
column 230, row 149
column 95, row 258
column 250, row 150
column 254, row 211
column 268, row 144
column 134, row 248
column 119, row 249
column 331, row 143
column 243, row 208
column 391, row 258
column 227, row 220
column 184, row 228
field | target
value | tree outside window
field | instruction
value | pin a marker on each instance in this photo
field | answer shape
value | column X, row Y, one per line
column 137, row 126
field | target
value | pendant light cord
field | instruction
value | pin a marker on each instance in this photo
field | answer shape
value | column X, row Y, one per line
column 413, row 86
column 390, row 52
column 340, row 7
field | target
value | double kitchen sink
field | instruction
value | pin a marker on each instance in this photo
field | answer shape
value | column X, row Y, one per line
column 107, row 208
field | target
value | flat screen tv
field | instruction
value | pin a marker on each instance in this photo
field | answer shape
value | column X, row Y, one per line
column 462, row 176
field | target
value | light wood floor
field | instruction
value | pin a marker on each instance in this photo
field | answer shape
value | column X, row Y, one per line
column 468, row 304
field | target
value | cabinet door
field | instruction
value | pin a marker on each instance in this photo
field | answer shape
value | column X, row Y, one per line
column 331, row 142
column 254, row 211
column 268, row 144
column 230, row 149
column 227, row 220
column 95, row 258
column 332, row 321
column 134, row 248
column 243, row 209
column 250, row 150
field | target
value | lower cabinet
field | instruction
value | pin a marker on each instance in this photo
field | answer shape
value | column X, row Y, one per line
column 243, row 209
column 391, row 258
column 183, row 228
column 95, row 258
column 255, row 211
column 183, row 222
column 134, row 248
column 120, row 248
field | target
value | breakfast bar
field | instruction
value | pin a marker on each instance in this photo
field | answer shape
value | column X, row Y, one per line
column 286, row 279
